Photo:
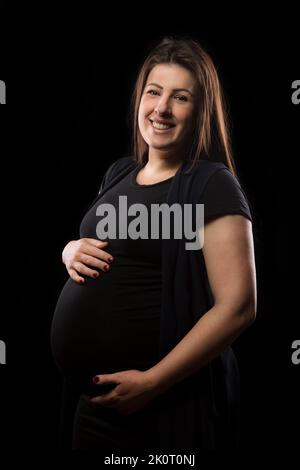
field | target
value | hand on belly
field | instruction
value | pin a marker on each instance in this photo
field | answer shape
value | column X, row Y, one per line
column 133, row 390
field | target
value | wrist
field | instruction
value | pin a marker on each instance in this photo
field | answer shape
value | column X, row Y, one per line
column 155, row 381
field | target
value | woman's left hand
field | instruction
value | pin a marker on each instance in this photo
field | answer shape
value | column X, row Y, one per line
column 133, row 391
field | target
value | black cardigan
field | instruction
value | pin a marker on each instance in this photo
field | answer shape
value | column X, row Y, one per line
column 202, row 411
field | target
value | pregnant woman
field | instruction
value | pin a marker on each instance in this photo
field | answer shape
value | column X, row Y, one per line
column 143, row 327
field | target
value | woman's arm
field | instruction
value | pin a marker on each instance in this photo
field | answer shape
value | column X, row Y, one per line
column 229, row 257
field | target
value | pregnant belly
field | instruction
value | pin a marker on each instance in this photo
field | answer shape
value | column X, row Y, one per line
column 99, row 327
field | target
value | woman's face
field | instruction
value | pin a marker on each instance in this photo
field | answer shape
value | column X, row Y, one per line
column 166, row 112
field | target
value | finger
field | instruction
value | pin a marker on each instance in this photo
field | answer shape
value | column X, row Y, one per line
column 88, row 260
column 98, row 253
column 73, row 274
column 96, row 242
column 106, row 379
column 82, row 269
column 105, row 400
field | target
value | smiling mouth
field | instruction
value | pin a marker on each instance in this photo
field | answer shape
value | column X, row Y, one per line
column 161, row 126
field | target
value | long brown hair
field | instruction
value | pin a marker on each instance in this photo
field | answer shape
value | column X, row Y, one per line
column 211, row 134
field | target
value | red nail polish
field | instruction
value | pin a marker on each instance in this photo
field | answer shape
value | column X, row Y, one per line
column 96, row 380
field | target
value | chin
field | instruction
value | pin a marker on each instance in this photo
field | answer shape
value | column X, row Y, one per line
column 163, row 147
column 157, row 144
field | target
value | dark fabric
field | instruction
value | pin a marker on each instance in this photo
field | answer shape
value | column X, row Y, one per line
column 106, row 430
column 112, row 323
column 202, row 411
column 224, row 195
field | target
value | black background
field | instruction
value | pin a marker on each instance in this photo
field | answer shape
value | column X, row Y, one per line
column 69, row 78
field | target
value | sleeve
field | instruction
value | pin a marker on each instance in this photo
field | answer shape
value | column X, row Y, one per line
column 116, row 166
column 224, row 195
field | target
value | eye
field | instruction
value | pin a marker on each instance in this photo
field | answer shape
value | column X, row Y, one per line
column 181, row 97
column 152, row 92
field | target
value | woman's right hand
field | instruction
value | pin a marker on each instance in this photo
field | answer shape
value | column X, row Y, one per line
column 80, row 256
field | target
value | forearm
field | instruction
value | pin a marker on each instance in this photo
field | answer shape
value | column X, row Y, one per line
column 211, row 335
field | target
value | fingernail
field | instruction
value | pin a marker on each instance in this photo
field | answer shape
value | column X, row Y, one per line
column 96, row 380
column 110, row 259
column 95, row 274
column 106, row 267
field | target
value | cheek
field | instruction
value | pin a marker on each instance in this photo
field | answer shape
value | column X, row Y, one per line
column 142, row 122
column 144, row 112
column 145, row 108
column 141, row 119
column 187, row 119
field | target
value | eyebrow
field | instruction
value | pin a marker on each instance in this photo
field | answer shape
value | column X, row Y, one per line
column 175, row 89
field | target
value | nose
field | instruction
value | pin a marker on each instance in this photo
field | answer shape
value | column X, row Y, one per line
column 163, row 107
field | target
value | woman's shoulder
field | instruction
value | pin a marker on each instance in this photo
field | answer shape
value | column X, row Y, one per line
column 224, row 194
column 204, row 165
column 212, row 165
column 203, row 170
column 119, row 165
column 122, row 163
column 113, row 169
column 214, row 171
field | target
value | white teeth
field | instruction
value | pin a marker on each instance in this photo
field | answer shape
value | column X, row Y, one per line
column 159, row 125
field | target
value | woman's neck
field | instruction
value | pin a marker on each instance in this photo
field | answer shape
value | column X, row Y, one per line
column 159, row 164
